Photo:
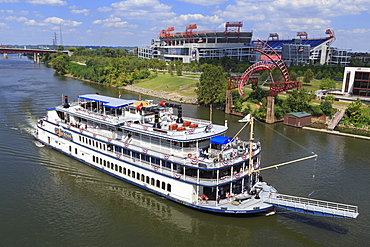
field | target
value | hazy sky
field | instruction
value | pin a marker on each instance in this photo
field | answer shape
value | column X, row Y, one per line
column 136, row 22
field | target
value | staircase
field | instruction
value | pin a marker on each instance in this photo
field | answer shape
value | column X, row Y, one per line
column 312, row 206
column 335, row 120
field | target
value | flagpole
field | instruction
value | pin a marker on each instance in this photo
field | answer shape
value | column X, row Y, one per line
column 210, row 113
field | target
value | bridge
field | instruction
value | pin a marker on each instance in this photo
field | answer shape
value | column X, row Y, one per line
column 36, row 52
column 312, row 206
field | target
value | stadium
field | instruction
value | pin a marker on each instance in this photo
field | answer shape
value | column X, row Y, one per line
column 192, row 45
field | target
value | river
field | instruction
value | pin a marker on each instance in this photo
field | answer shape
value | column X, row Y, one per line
column 48, row 199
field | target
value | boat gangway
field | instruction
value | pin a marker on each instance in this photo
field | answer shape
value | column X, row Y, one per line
column 312, row 206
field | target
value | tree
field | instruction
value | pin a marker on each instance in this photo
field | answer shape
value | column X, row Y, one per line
column 327, row 84
column 212, row 85
column 293, row 76
column 308, row 76
column 178, row 67
column 358, row 114
column 327, row 107
column 298, row 101
column 59, row 64
column 258, row 94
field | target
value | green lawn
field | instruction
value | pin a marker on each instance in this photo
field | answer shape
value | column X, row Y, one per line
column 166, row 82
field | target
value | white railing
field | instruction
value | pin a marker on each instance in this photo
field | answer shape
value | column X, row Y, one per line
column 312, row 204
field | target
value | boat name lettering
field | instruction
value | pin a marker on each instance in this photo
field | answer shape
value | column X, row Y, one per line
column 64, row 134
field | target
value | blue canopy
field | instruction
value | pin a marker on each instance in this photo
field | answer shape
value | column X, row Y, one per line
column 107, row 101
column 221, row 140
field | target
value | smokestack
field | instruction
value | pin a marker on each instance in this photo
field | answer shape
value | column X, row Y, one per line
column 156, row 114
column 66, row 105
column 179, row 110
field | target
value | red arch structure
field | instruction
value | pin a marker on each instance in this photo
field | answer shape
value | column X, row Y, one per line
column 270, row 60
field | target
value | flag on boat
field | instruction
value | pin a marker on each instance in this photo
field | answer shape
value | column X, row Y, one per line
column 194, row 161
column 177, row 175
column 166, row 156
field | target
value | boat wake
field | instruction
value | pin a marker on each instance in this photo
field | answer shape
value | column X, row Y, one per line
column 38, row 144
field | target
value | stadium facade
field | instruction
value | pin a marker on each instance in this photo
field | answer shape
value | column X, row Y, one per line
column 233, row 43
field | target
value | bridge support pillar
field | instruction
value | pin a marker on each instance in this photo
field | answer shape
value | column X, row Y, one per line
column 270, row 114
column 36, row 58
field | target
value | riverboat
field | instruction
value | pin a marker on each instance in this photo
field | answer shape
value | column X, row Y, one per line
column 187, row 160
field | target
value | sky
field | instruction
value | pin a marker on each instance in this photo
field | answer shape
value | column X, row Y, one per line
column 136, row 22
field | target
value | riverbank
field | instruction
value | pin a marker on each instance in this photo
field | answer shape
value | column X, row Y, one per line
column 172, row 96
column 161, row 94
column 334, row 132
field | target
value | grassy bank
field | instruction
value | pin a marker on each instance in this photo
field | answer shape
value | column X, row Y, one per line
column 182, row 85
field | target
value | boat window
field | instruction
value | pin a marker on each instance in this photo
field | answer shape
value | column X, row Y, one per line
column 101, row 161
column 90, row 142
column 133, row 174
column 117, row 149
column 142, row 178
column 158, row 184
column 167, row 164
column 138, row 176
column 116, row 167
column 152, row 181
column 145, row 157
column 204, row 144
column 124, row 171
column 169, row 187
column 93, row 156
column 147, row 179
column 120, row 169
column 75, row 150
column 128, row 172
column 70, row 149
column 105, row 163
column 80, row 138
column 163, row 185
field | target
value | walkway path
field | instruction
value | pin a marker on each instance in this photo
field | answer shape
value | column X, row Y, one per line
column 335, row 120
column 337, row 133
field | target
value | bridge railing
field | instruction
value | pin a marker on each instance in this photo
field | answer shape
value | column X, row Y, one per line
column 282, row 199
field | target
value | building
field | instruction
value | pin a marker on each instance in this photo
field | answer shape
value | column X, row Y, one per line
column 233, row 43
column 356, row 82
column 297, row 119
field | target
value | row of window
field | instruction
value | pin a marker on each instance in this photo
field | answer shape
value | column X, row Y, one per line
column 128, row 152
column 133, row 174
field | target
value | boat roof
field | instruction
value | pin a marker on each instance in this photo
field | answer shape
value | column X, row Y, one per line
column 108, row 101
column 221, row 140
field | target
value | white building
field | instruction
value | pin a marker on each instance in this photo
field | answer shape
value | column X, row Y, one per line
column 356, row 81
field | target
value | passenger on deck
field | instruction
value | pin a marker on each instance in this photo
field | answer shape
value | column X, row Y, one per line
column 203, row 198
